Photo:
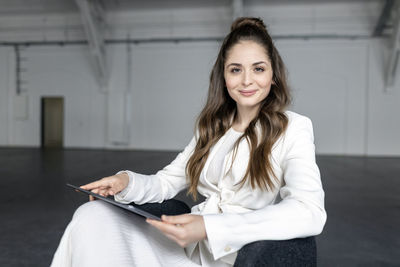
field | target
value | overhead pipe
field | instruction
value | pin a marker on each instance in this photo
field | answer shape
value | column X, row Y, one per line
column 188, row 40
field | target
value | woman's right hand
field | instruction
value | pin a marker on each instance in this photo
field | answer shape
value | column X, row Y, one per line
column 108, row 186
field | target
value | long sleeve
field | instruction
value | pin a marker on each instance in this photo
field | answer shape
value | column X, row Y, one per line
column 165, row 184
column 300, row 213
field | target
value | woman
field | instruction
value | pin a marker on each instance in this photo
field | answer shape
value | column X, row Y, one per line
column 252, row 160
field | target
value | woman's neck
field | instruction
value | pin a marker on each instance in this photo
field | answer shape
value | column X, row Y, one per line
column 243, row 118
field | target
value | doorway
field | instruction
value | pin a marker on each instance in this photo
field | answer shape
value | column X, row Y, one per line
column 52, row 122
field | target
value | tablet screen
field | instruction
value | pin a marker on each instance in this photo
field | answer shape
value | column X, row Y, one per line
column 131, row 208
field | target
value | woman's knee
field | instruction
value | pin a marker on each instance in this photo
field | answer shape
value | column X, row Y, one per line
column 93, row 211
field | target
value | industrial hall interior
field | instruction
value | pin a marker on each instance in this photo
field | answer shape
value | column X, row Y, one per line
column 89, row 88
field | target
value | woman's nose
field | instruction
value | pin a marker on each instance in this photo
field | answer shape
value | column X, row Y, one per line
column 247, row 79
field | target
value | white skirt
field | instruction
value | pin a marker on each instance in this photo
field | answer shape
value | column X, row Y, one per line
column 101, row 234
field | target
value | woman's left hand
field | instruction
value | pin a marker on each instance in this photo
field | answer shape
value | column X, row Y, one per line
column 183, row 229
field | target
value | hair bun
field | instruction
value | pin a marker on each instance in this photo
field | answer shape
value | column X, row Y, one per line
column 248, row 21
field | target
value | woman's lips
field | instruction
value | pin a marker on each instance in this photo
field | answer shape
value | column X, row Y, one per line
column 247, row 92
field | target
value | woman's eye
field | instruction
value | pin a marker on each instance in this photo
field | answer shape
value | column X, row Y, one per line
column 259, row 69
column 235, row 70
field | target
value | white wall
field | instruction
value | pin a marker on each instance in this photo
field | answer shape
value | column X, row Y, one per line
column 5, row 68
column 337, row 84
column 156, row 90
column 329, row 84
column 55, row 71
column 169, row 86
column 169, row 83
column 383, row 129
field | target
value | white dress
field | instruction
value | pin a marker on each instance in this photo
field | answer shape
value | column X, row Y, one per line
column 234, row 215
column 103, row 235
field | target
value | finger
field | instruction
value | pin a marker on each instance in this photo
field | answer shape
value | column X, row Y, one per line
column 167, row 228
column 178, row 219
column 160, row 226
column 169, row 236
column 102, row 183
column 91, row 198
column 103, row 192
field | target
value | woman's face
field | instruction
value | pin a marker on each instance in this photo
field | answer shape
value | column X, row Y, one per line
column 248, row 74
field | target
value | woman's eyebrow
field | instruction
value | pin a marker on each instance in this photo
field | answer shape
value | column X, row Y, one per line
column 256, row 63
column 260, row 62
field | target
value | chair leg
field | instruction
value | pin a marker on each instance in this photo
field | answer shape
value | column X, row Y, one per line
column 293, row 252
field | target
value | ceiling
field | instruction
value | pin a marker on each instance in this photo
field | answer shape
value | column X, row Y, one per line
column 61, row 6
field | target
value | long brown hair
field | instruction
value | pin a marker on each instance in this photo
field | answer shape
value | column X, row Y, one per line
column 216, row 117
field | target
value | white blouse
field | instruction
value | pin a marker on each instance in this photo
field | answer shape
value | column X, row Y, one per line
column 214, row 172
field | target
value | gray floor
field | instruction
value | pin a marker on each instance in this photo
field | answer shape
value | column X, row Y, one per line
column 362, row 201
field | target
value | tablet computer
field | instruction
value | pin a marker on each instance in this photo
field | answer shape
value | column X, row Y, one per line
column 129, row 207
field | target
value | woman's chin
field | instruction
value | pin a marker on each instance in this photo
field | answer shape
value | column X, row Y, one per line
column 248, row 105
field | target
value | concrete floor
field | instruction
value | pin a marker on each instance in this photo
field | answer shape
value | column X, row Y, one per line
column 362, row 201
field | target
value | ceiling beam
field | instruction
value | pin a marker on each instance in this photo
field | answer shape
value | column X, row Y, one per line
column 383, row 18
column 93, row 19
column 394, row 53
